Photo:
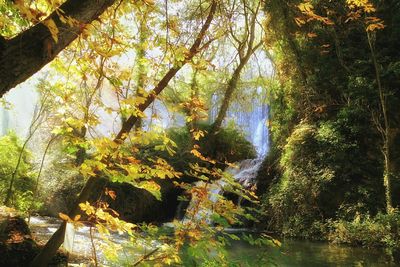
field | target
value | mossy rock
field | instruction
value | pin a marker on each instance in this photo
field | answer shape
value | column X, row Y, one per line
column 227, row 145
column 138, row 205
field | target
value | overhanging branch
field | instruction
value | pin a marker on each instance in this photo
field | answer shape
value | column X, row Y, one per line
column 25, row 54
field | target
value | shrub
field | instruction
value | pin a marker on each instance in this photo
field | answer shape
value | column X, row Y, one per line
column 322, row 168
column 10, row 149
column 383, row 230
column 228, row 145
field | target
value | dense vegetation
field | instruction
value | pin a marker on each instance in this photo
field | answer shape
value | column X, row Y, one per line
column 138, row 120
column 335, row 120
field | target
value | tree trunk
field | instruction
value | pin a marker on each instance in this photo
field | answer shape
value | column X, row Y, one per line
column 141, row 55
column 25, row 54
column 51, row 247
column 385, row 130
column 245, row 49
column 387, row 182
column 232, row 85
column 33, row 127
column 36, row 189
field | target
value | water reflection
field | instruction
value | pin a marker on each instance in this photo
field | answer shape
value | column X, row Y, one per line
column 308, row 254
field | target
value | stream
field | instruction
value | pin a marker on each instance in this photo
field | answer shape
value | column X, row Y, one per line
column 299, row 253
column 296, row 253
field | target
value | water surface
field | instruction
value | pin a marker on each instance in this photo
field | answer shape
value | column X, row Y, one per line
column 299, row 253
column 292, row 253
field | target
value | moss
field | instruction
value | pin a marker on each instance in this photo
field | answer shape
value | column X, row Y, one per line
column 268, row 172
column 228, row 145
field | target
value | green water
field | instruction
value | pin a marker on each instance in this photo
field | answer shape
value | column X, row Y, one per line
column 308, row 254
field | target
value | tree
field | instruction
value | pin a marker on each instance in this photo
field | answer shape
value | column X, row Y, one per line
column 38, row 118
column 25, row 54
column 57, row 239
column 334, row 109
column 246, row 44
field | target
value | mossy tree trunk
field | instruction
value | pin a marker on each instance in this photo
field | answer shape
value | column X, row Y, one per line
column 141, row 56
column 384, row 127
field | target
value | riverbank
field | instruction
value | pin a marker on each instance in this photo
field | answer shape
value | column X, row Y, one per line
column 291, row 253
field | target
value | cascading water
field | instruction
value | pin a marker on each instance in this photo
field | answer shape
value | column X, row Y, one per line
column 254, row 125
column 246, row 171
column 253, row 122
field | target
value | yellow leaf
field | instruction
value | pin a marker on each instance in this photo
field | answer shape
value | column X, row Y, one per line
column 149, row 2
column 51, row 25
column 311, row 35
column 299, row 21
column 152, row 187
column 277, row 242
column 305, row 7
column 64, row 217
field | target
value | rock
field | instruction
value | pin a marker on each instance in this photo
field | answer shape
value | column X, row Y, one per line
column 17, row 247
column 138, row 205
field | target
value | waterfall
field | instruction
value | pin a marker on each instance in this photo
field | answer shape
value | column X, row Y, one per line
column 246, row 172
column 254, row 124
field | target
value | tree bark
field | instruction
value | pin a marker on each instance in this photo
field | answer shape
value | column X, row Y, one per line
column 232, row 85
column 51, row 247
column 387, row 136
column 131, row 121
column 25, row 54
column 141, row 55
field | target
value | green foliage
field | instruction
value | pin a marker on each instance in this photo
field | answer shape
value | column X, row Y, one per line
column 323, row 168
column 11, row 21
column 10, row 149
column 382, row 230
column 326, row 113
column 228, row 145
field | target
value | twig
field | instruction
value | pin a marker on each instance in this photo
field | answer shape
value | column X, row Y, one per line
column 146, row 256
column 93, row 246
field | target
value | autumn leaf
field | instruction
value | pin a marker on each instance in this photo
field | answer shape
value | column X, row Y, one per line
column 311, row 35
column 300, row 22
column 305, row 7
column 149, row 2
column 111, row 193
column 51, row 25
column 64, row 217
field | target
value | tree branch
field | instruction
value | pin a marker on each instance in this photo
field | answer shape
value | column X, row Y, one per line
column 25, row 54
column 57, row 239
column 194, row 49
